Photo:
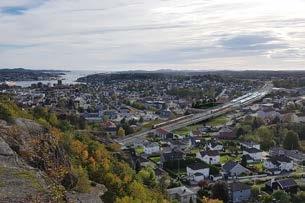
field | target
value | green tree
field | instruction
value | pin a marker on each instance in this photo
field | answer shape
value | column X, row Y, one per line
column 265, row 136
column 220, row 191
column 147, row 177
column 5, row 114
column 291, row 140
column 299, row 197
column 83, row 183
column 281, row 197
column 53, row 119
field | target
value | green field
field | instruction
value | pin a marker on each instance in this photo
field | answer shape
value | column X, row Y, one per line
column 218, row 121
column 186, row 130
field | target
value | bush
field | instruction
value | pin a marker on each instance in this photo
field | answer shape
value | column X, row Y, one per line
column 5, row 114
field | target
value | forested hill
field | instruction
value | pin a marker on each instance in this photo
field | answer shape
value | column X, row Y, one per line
column 20, row 74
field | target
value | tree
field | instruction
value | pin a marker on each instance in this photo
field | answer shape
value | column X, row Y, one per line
column 208, row 200
column 299, row 197
column 265, row 136
column 281, row 196
column 244, row 161
column 147, row 177
column 220, row 191
column 255, row 190
column 5, row 114
column 83, row 183
column 53, row 119
column 266, row 198
column 291, row 140
column 121, row 132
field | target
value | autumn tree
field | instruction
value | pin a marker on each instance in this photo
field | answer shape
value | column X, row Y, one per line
column 121, row 132
column 208, row 200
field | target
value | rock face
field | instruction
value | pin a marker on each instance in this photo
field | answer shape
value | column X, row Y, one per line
column 92, row 197
column 18, row 181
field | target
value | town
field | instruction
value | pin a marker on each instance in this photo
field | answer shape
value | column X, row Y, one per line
column 202, row 136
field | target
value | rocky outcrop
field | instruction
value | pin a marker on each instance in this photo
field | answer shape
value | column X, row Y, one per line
column 18, row 181
column 35, row 168
column 37, row 147
column 92, row 197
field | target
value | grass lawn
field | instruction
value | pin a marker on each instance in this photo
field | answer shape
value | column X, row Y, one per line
column 155, row 159
column 218, row 121
column 149, row 124
column 259, row 166
column 139, row 150
column 225, row 158
column 186, row 130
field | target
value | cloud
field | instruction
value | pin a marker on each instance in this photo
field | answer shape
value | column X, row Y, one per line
column 112, row 34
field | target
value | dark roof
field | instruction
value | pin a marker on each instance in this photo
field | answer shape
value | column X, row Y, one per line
column 276, row 159
column 247, row 157
column 226, row 129
column 197, row 166
column 287, row 183
column 252, row 150
column 214, row 144
column 173, row 155
column 209, row 153
column 238, row 186
column 159, row 172
column 229, row 165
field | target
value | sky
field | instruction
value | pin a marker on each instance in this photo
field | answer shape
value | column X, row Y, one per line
column 110, row 35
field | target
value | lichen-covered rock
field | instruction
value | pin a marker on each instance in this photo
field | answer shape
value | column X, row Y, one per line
column 18, row 181
column 94, row 196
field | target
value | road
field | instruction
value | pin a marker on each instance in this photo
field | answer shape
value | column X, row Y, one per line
column 202, row 116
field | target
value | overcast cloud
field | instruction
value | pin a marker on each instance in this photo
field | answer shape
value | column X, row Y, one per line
column 152, row 34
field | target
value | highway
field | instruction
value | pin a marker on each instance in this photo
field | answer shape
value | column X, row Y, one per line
column 202, row 116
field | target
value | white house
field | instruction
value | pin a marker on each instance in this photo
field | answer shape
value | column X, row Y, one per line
column 250, row 145
column 254, row 153
column 210, row 156
column 182, row 194
column 151, row 148
column 232, row 168
column 198, row 171
column 215, row 146
column 281, row 163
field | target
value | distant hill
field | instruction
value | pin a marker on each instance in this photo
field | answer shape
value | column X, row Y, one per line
column 21, row 74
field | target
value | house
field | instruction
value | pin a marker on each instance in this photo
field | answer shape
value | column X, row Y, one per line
column 226, row 133
column 151, row 147
column 109, row 127
column 163, row 134
column 159, row 172
column 214, row 145
column 248, row 158
column 172, row 155
column 277, row 164
column 254, row 153
column 182, row 194
column 181, row 144
column 295, row 155
column 210, row 156
column 198, row 171
column 288, row 185
column 249, row 144
column 239, row 192
column 232, row 168
column 110, row 114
